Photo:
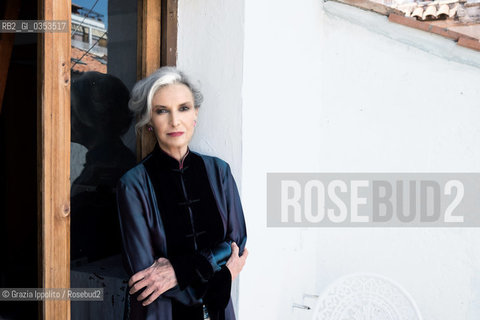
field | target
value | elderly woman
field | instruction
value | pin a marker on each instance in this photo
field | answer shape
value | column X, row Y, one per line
column 181, row 218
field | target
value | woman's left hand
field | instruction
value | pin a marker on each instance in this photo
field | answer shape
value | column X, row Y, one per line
column 156, row 279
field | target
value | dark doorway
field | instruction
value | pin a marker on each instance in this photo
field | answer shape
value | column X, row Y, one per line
column 18, row 168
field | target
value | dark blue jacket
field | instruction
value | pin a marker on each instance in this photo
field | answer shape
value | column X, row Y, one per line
column 143, row 234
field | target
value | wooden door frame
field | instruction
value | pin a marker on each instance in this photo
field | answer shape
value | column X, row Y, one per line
column 53, row 157
column 156, row 46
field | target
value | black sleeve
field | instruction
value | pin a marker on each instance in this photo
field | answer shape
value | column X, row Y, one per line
column 191, row 270
column 214, row 286
column 197, row 269
column 218, row 292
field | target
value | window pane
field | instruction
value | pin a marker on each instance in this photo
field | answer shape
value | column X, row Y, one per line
column 103, row 145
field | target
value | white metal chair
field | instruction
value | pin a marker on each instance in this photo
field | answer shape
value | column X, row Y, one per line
column 365, row 296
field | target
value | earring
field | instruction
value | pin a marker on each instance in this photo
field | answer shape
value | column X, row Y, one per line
column 150, row 128
column 194, row 123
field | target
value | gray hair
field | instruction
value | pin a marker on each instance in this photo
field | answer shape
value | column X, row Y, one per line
column 142, row 93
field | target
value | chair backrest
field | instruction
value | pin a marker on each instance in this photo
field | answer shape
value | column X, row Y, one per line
column 365, row 296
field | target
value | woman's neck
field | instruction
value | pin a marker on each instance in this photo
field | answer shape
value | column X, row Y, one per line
column 176, row 153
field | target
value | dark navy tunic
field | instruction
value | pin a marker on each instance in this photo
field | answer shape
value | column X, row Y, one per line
column 188, row 212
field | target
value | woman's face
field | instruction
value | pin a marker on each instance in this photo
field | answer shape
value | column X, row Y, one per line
column 173, row 116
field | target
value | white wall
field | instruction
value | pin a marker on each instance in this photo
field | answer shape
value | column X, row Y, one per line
column 210, row 50
column 330, row 88
column 281, row 110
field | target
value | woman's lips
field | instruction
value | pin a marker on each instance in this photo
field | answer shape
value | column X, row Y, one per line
column 175, row 134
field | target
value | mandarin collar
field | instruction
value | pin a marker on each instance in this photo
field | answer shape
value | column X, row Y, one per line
column 168, row 161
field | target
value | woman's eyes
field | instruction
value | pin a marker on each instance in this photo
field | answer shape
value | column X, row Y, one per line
column 182, row 108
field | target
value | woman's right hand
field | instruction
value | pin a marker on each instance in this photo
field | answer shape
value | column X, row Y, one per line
column 235, row 263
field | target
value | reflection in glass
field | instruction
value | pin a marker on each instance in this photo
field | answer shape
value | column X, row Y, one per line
column 100, row 116
column 103, row 147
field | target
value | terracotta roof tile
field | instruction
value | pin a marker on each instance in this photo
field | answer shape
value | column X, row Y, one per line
column 89, row 62
column 458, row 20
column 469, row 43
column 441, row 10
